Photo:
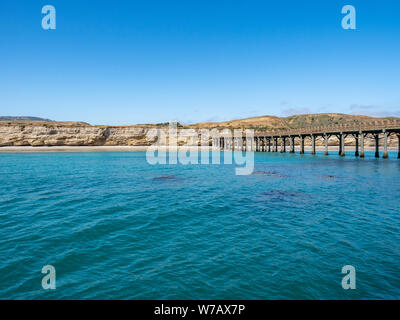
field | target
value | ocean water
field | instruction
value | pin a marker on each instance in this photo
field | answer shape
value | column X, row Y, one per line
column 116, row 227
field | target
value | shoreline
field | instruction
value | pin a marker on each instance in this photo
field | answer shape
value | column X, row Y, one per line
column 30, row 149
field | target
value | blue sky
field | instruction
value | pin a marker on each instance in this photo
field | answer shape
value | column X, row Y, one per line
column 128, row 62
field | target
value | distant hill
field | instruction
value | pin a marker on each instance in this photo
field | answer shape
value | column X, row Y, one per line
column 6, row 118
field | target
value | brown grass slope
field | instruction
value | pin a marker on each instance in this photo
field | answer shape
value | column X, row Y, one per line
column 291, row 122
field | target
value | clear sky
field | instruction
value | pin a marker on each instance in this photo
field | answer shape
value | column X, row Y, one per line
column 127, row 62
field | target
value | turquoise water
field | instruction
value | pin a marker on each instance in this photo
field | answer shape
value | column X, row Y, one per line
column 116, row 227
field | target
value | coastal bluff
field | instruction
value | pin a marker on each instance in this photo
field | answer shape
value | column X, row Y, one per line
column 55, row 134
column 28, row 131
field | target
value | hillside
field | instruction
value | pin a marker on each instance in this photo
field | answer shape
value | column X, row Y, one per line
column 326, row 119
column 291, row 122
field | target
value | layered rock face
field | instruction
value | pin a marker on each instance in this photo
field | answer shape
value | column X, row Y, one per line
column 45, row 135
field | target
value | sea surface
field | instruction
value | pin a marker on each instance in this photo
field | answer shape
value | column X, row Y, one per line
column 116, row 227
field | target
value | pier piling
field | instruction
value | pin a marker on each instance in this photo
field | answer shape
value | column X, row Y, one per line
column 313, row 144
column 398, row 154
column 301, row 145
column 341, row 144
column 343, row 153
column 356, row 138
column 292, row 144
column 283, row 144
column 385, row 142
column 362, row 154
column 326, row 140
column 376, row 136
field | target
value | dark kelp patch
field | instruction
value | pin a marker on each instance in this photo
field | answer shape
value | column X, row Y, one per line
column 270, row 173
column 326, row 176
column 281, row 195
column 165, row 178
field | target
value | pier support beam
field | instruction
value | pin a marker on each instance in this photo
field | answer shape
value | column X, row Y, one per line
column 292, row 144
column 362, row 154
column 301, row 145
column 276, row 144
column 313, row 144
column 385, row 142
column 326, row 140
column 377, row 145
column 284, row 144
column 341, row 145
column 269, row 144
column 356, row 137
column 398, row 154
column 343, row 153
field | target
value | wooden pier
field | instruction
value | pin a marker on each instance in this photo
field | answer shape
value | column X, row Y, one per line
column 279, row 140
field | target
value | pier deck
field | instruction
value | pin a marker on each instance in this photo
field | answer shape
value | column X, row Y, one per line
column 269, row 141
